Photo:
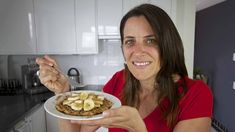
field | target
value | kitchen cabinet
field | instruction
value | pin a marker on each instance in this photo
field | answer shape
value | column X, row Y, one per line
column 66, row 27
column 55, row 26
column 86, row 26
column 38, row 120
column 34, row 122
column 48, row 27
column 52, row 123
column 17, row 30
column 110, row 13
column 109, row 16
column 23, row 126
column 72, row 26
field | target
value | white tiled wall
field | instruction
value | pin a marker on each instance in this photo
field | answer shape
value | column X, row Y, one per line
column 95, row 69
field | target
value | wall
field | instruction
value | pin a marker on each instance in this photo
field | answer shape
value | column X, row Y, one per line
column 95, row 69
column 184, row 16
column 214, row 48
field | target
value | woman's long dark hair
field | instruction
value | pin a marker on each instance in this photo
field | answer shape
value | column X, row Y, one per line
column 172, row 61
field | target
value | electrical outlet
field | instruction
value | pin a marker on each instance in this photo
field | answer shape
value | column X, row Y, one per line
column 234, row 85
column 233, row 56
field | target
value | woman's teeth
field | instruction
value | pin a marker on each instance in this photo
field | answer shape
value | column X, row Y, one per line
column 141, row 63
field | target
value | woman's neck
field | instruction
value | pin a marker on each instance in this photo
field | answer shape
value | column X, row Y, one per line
column 147, row 87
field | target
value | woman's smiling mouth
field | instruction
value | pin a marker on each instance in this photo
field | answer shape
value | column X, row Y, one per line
column 141, row 63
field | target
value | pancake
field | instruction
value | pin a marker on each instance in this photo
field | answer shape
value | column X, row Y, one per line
column 82, row 104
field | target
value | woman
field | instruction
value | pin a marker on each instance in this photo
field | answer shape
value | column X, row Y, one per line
column 154, row 88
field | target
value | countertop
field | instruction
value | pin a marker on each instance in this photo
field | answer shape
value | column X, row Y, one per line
column 14, row 108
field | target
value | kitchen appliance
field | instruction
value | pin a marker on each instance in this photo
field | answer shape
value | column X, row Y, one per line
column 74, row 74
column 30, row 80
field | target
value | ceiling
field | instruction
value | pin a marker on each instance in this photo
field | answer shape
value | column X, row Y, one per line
column 202, row 4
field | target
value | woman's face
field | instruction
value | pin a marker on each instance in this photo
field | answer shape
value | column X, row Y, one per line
column 140, row 49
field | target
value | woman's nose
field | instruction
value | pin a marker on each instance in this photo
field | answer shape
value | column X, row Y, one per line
column 140, row 48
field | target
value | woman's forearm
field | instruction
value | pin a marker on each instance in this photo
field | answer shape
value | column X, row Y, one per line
column 67, row 126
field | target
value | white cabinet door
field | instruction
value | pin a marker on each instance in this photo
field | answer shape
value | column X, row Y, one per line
column 17, row 33
column 109, row 17
column 55, row 26
column 52, row 123
column 86, row 27
column 23, row 126
column 38, row 120
column 34, row 122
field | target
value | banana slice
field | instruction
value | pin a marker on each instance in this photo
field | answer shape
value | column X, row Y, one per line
column 88, row 104
column 76, row 106
column 79, row 101
column 100, row 97
column 91, row 96
column 100, row 102
column 75, row 94
column 73, row 98
column 84, row 100
column 67, row 102
column 83, row 95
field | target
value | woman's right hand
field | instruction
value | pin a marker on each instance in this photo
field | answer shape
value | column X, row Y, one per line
column 50, row 75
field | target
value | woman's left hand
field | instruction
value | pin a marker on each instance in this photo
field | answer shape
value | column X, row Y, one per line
column 125, row 117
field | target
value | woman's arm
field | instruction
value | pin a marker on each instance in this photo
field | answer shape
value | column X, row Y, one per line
column 202, row 124
column 125, row 117
column 67, row 126
column 55, row 81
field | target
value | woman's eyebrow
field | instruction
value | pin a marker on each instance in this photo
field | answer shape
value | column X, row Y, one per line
column 128, row 37
column 149, row 36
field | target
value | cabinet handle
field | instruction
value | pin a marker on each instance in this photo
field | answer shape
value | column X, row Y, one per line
column 30, row 25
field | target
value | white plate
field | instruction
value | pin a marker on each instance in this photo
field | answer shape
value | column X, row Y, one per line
column 49, row 106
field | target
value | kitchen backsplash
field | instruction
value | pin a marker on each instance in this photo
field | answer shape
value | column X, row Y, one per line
column 94, row 69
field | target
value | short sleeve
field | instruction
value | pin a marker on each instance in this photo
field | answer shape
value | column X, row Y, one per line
column 115, row 84
column 197, row 102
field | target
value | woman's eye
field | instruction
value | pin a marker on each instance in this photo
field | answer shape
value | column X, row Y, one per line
column 150, row 41
column 129, row 42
